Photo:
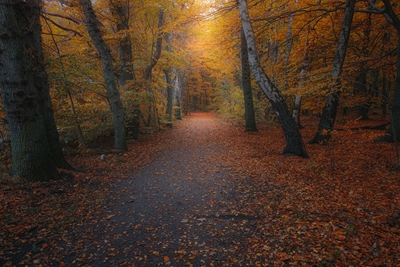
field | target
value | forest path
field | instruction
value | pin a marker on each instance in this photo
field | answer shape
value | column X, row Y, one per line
column 183, row 209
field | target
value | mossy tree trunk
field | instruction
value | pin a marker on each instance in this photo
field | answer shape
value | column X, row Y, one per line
column 36, row 151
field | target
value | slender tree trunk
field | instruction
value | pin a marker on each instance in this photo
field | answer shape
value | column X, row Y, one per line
column 170, row 92
column 328, row 117
column 294, row 142
column 303, row 72
column 126, row 73
column 157, row 53
column 362, row 90
column 385, row 94
column 246, row 87
column 115, row 101
column 25, row 93
column 148, row 71
column 167, row 72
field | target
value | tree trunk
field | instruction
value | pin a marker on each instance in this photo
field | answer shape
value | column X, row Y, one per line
column 362, row 89
column 147, row 75
column 126, row 74
column 296, row 110
column 294, row 142
column 246, row 87
column 328, row 117
column 303, row 72
column 385, row 94
column 167, row 72
column 112, row 91
column 25, row 93
column 170, row 93
column 157, row 53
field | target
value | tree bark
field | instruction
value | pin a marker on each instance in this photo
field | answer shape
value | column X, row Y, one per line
column 112, row 91
column 246, row 87
column 147, row 75
column 294, row 142
column 125, row 72
column 157, row 53
column 167, row 72
column 25, row 93
column 362, row 90
column 170, row 92
column 328, row 117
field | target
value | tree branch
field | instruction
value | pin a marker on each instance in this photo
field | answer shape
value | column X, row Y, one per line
column 61, row 16
column 61, row 27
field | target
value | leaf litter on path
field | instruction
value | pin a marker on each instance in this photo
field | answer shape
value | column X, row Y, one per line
column 207, row 194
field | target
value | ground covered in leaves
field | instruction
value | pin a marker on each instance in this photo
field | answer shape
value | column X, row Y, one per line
column 207, row 194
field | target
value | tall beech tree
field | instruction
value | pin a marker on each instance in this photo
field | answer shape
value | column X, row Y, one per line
column 328, row 117
column 246, row 87
column 294, row 142
column 93, row 26
column 36, row 151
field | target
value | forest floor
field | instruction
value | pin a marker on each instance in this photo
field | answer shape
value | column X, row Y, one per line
column 205, row 193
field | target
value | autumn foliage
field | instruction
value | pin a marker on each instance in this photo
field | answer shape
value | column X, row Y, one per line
column 340, row 207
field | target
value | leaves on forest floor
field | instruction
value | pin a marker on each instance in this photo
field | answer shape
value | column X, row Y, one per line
column 340, row 207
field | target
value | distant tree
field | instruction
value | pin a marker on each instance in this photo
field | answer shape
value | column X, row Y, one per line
column 36, row 151
column 394, row 130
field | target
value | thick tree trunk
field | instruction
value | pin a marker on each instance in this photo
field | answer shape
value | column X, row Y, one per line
column 45, row 104
column 23, row 93
column 294, row 142
column 246, row 87
column 328, row 117
column 112, row 91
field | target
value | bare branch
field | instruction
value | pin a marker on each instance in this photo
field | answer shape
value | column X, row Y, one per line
column 62, row 16
column 388, row 18
column 61, row 27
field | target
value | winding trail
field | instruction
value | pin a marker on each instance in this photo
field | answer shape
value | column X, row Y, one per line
column 183, row 209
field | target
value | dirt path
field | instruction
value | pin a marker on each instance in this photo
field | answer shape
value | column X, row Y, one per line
column 181, row 210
